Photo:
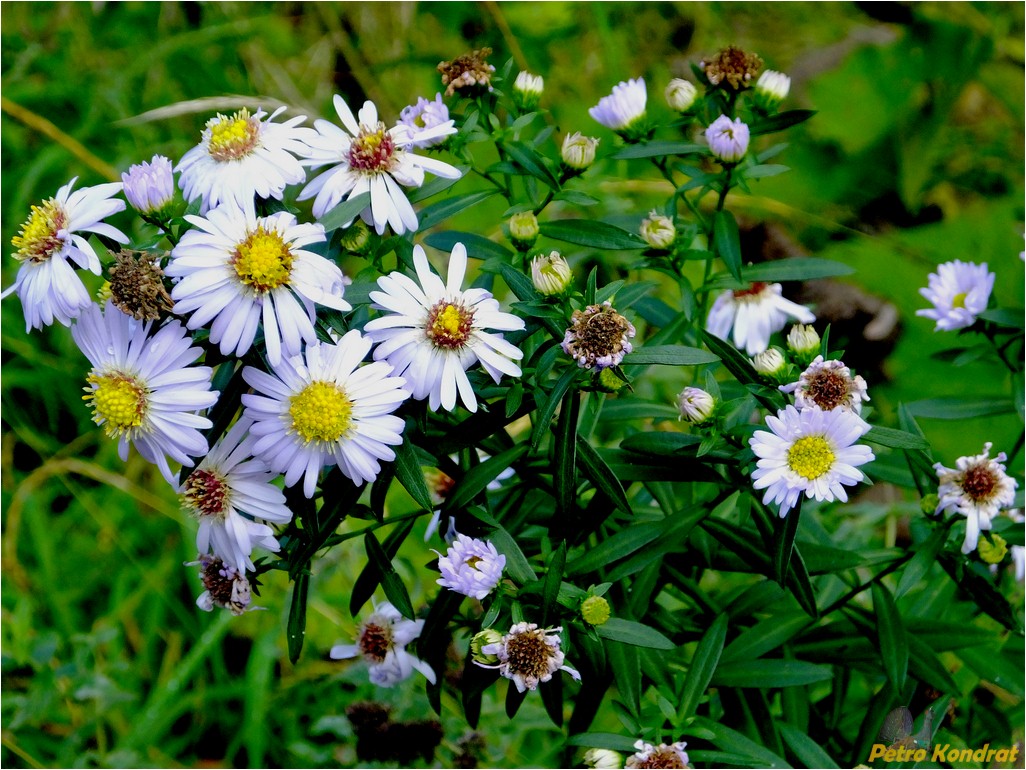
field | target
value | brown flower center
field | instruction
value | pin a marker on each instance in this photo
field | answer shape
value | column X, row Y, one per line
column 528, row 654
column 599, row 331
column 217, row 582
column 734, row 66
column 753, row 292
column 828, row 390
column 979, row 482
column 372, row 151
column 375, row 641
column 470, row 74
column 205, row 493
column 664, row 756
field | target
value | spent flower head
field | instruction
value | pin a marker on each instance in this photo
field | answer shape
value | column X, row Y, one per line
column 732, row 68
column 381, row 641
column 470, row 74
column 225, row 586
column 681, row 94
column 828, row 385
column 598, row 337
column 528, row 655
column 978, row 488
column 150, row 186
column 661, row 756
column 137, row 286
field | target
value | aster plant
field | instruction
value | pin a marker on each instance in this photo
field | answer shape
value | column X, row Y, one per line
column 634, row 502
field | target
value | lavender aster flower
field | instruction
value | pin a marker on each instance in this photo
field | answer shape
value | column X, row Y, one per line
column 728, row 139
column 471, row 567
column 424, row 116
column 959, row 292
column 624, row 108
column 150, row 187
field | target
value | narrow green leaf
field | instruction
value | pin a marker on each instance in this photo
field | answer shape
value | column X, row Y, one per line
column 924, row 665
column 785, row 542
column 765, row 170
column 295, row 628
column 369, row 578
column 514, row 700
column 591, row 285
column 598, row 473
column 480, row 476
column 611, row 741
column 443, row 209
column 390, row 580
column 658, row 149
column 517, row 565
column 593, row 233
column 519, row 283
column 735, row 361
column 780, row 121
column 898, row 439
column 920, row 564
column 727, row 241
column 532, row 162
column 670, row 355
column 809, row 753
column 477, row 245
column 565, row 452
column 891, row 636
column 703, row 665
column 553, row 582
column 410, row 474
column 608, row 291
column 543, row 417
column 792, row 269
column 345, row 212
column 961, row 408
column 764, row 636
column 633, row 633
column 769, row 672
column 736, row 743
column 619, row 546
column 1004, row 316
column 623, row 659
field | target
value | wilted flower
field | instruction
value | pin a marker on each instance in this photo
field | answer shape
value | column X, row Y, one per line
column 603, row 759
column 471, row 567
column 732, row 68
column 811, row 452
column 696, row 406
column 382, row 641
column 595, row 610
column 423, row 117
column 828, row 385
column 977, row 488
column 680, row 94
column 624, row 108
column 649, row 756
column 728, row 139
column 578, row 151
column 769, row 363
column 598, row 337
column 523, row 229
column 771, row 89
column 550, row 274
column 527, row 91
column 754, row 314
column 470, row 74
column 226, row 587
column 959, row 292
column 150, row 187
column 658, row 231
column 137, row 286
column 528, row 655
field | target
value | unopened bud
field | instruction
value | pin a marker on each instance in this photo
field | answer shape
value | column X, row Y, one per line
column 354, row 238
column 929, row 503
column 578, row 152
column 595, row 610
column 769, row 363
column 483, row 639
column 609, row 382
column 771, row 89
column 680, row 94
column 658, row 231
column 603, row 759
column 728, row 139
column 696, row 406
column 523, row 230
column 550, row 274
column 992, row 551
column 150, row 186
column 803, row 340
column 527, row 91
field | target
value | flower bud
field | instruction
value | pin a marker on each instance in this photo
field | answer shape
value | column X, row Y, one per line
column 728, row 139
column 603, row 759
column 608, row 382
column 929, row 503
column 771, row 89
column 992, row 551
column 354, row 238
column 578, row 151
column 769, row 363
column 696, row 406
column 551, row 275
column 803, row 340
column 595, row 610
column 680, row 94
column 150, row 187
column 658, row 231
column 523, row 230
column 527, row 91
column 481, row 640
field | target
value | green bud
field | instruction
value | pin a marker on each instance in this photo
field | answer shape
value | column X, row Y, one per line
column 482, row 639
column 929, row 503
column 595, row 610
column 992, row 551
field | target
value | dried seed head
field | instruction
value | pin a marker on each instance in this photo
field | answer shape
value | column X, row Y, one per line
column 732, row 68
column 470, row 74
column 137, row 286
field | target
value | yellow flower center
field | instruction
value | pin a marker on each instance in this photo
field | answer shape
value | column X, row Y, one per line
column 958, row 300
column 263, row 261
column 473, row 561
column 810, row 457
column 119, row 402
column 232, row 138
column 38, row 239
column 372, row 151
column 449, row 325
column 321, row 412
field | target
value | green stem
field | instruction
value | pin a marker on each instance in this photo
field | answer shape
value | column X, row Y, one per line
column 899, row 562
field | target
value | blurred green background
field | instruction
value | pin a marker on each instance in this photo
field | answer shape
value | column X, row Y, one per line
column 914, row 158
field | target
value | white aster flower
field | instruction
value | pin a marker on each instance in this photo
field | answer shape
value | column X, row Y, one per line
column 226, row 587
column 141, row 387
column 435, row 331
column 624, row 108
column 150, row 186
column 226, row 492
column 369, row 158
column 471, row 567
column 381, row 641
column 528, row 655
column 695, row 405
column 828, row 385
column 322, row 407
column 48, row 287
column 428, row 116
column 754, row 314
column 243, row 156
column 236, row 270
column 728, row 139
column 959, row 292
column 663, row 755
column 977, row 488
column 810, row 451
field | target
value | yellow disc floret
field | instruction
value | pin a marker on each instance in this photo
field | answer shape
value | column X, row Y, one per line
column 263, row 261
column 958, row 300
column 449, row 325
column 232, row 138
column 810, row 457
column 321, row 412
column 119, row 402
column 38, row 239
